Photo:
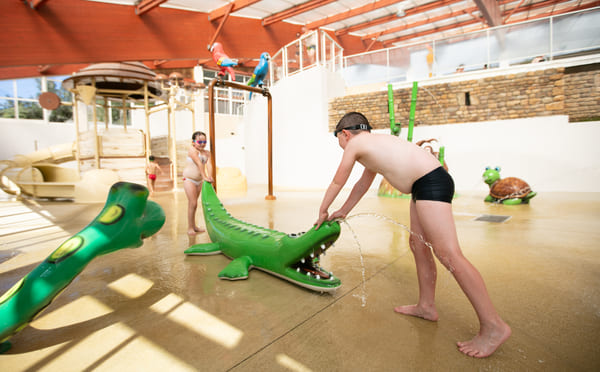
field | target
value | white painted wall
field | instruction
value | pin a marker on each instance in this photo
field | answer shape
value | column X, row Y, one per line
column 22, row 136
column 549, row 153
column 305, row 154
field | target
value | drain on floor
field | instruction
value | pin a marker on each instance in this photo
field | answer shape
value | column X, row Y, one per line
column 492, row 218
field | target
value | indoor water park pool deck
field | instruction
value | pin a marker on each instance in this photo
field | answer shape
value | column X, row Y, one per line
column 155, row 309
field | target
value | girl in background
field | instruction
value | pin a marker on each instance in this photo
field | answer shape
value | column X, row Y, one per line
column 197, row 169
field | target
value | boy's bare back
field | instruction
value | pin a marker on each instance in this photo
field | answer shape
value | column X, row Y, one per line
column 399, row 161
column 153, row 168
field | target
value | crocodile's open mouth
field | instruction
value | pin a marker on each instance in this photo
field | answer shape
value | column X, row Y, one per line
column 310, row 264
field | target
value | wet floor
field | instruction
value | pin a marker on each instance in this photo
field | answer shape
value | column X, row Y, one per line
column 154, row 309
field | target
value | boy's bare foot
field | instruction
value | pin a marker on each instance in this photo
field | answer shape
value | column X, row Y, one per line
column 420, row 312
column 192, row 232
column 486, row 342
column 199, row 230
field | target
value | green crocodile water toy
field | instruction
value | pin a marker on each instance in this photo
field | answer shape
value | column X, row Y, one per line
column 126, row 219
column 293, row 257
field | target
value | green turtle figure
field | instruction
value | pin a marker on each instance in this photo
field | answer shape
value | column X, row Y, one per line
column 509, row 191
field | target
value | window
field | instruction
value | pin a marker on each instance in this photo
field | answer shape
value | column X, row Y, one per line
column 19, row 99
column 228, row 100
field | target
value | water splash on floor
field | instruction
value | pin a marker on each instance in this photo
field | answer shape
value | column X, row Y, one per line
column 363, row 294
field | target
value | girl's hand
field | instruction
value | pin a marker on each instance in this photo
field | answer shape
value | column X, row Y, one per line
column 322, row 218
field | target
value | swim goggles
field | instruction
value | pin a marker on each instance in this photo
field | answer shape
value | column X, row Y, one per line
column 358, row 126
column 201, row 142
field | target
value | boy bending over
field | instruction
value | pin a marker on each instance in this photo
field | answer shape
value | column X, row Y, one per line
column 411, row 169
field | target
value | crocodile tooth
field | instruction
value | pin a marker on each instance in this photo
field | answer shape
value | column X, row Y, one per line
column 318, row 276
column 312, row 255
column 302, row 260
column 307, row 273
column 298, row 269
column 331, row 277
column 323, row 246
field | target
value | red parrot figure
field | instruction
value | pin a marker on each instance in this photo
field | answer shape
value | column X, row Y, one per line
column 222, row 60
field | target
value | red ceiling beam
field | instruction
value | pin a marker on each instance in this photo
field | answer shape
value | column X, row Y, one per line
column 92, row 32
column 147, row 5
column 512, row 11
column 527, row 8
column 420, row 23
column 237, row 5
column 351, row 13
column 34, row 4
column 552, row 12
column 387, row 43
column 378, row 5
column 295, row 10
column 360, row 26
column 490, row 11
column 214, row 38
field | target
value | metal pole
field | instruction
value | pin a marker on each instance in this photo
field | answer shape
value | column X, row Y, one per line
column 270, row 196
column 96, row 139
column 146, row 108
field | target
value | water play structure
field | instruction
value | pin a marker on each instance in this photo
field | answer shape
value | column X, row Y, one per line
column 127, row 218
column 510, row 190
column 100, row 155
column 293, row 257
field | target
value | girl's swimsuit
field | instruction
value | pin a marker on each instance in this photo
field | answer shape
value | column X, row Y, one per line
column 152, row 176
column 191, row 172
column 436, row 185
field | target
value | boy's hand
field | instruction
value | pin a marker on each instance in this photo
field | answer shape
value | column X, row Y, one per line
column 322, row 218
column 339, row 214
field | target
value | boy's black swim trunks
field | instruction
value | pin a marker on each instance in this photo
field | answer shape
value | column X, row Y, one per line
column 436, row 185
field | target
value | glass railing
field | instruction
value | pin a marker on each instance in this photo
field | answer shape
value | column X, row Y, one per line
column 311, row 49
column 533, row 41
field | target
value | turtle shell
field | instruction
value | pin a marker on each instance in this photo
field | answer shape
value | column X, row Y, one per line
column 510, row 187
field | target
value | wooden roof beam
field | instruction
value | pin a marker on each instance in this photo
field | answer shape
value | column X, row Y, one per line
column 491, row 11
column 147, row 5
column 420, row 23
column 226, row 15
column 351, row 13
column 360, row 26
column 527, row 8
column 237, row 5
column 386, row 43
column 378, row 5
column 34, row 4
column 295, row 10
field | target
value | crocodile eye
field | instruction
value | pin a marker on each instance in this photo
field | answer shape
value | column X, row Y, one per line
column 498, row 169
column 487, row 168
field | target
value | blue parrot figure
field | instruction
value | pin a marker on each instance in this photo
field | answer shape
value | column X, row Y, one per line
column 260, row 71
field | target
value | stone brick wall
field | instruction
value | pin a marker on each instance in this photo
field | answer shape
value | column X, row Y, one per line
column 572, row 91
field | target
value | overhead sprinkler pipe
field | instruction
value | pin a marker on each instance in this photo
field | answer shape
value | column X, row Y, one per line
column 211, row 121
column 413, row 106
column 394, row 127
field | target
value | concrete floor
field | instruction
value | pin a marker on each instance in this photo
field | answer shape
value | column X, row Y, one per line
column 154, row 309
